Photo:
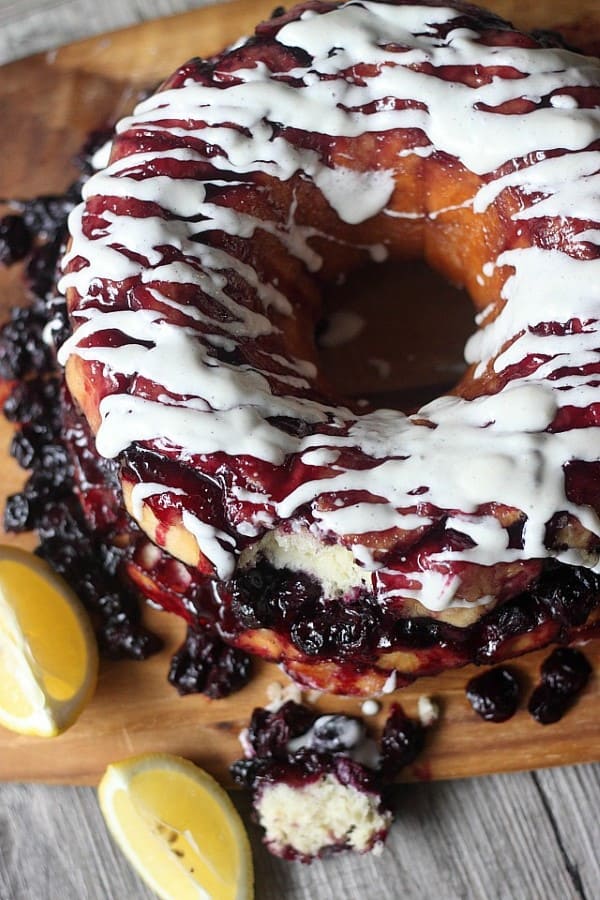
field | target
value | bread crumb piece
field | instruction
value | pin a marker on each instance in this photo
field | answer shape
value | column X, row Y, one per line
column 428, row 711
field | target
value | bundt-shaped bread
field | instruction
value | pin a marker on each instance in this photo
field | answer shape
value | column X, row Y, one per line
column 354, row 544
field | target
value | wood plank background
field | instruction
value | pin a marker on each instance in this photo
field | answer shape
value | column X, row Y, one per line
column 514, row 836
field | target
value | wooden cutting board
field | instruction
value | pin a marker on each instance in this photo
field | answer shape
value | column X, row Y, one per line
column 48, row 103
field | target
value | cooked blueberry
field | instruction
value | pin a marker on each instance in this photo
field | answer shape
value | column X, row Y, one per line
column 354, row 627
column 266, row 597
column 416, row 632
column 15, row 239
column 251, row 613
column 401, row 742
column 244, row 772
column 54, row 458
column 205, row 664
column 126, row 640
column 22, row 347
column 110, row 559
column 26, row 445
column 42, row 265
column 566, row 670
column 44, row 215
column 547, row 705
column 31, row 400
column 62, row 556
column 567, row 592
column 60, row 520
column 495, row 694
column 310, row 634
column 18, row 513
column 45, row 486
column 270, row 732
column 564, row 675
column 501, row 624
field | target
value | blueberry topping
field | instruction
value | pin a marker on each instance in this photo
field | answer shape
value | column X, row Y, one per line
column 205, row 664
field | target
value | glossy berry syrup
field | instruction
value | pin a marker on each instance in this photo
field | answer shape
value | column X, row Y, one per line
column 72, row 496
column 354, row 631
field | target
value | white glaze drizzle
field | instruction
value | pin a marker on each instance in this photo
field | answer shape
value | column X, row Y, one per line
column 492, row 449
column 351, row 735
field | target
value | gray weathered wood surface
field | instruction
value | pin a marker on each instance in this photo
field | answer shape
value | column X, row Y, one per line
column 531, row 836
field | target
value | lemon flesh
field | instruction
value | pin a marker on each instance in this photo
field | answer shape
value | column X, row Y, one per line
column 178, row 828
column 48, row 655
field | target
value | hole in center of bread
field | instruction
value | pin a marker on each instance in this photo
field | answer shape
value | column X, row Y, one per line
column 394, row 333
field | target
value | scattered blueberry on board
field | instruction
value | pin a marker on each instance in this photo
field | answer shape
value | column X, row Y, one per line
column 495, row 694
column 564, row 674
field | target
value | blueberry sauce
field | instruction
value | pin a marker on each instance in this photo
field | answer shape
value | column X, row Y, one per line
column 495, row 694
column 205, row 664
column 564, row 674
column 556, row 604
column 72, row 496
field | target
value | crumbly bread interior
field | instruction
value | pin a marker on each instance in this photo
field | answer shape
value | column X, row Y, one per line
column 331, row 564
column 322, row 814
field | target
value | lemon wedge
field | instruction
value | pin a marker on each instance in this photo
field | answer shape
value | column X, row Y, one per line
column 48, row 655
column 178, row 828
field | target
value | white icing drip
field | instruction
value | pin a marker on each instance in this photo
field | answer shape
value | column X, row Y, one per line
column 212, row 543
column 362, row 518
column 555, row 276
column 341, row 187
column 391, row 683
column 351, row 735
column 321, row 457
column 492, row 449
column 101, row 156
